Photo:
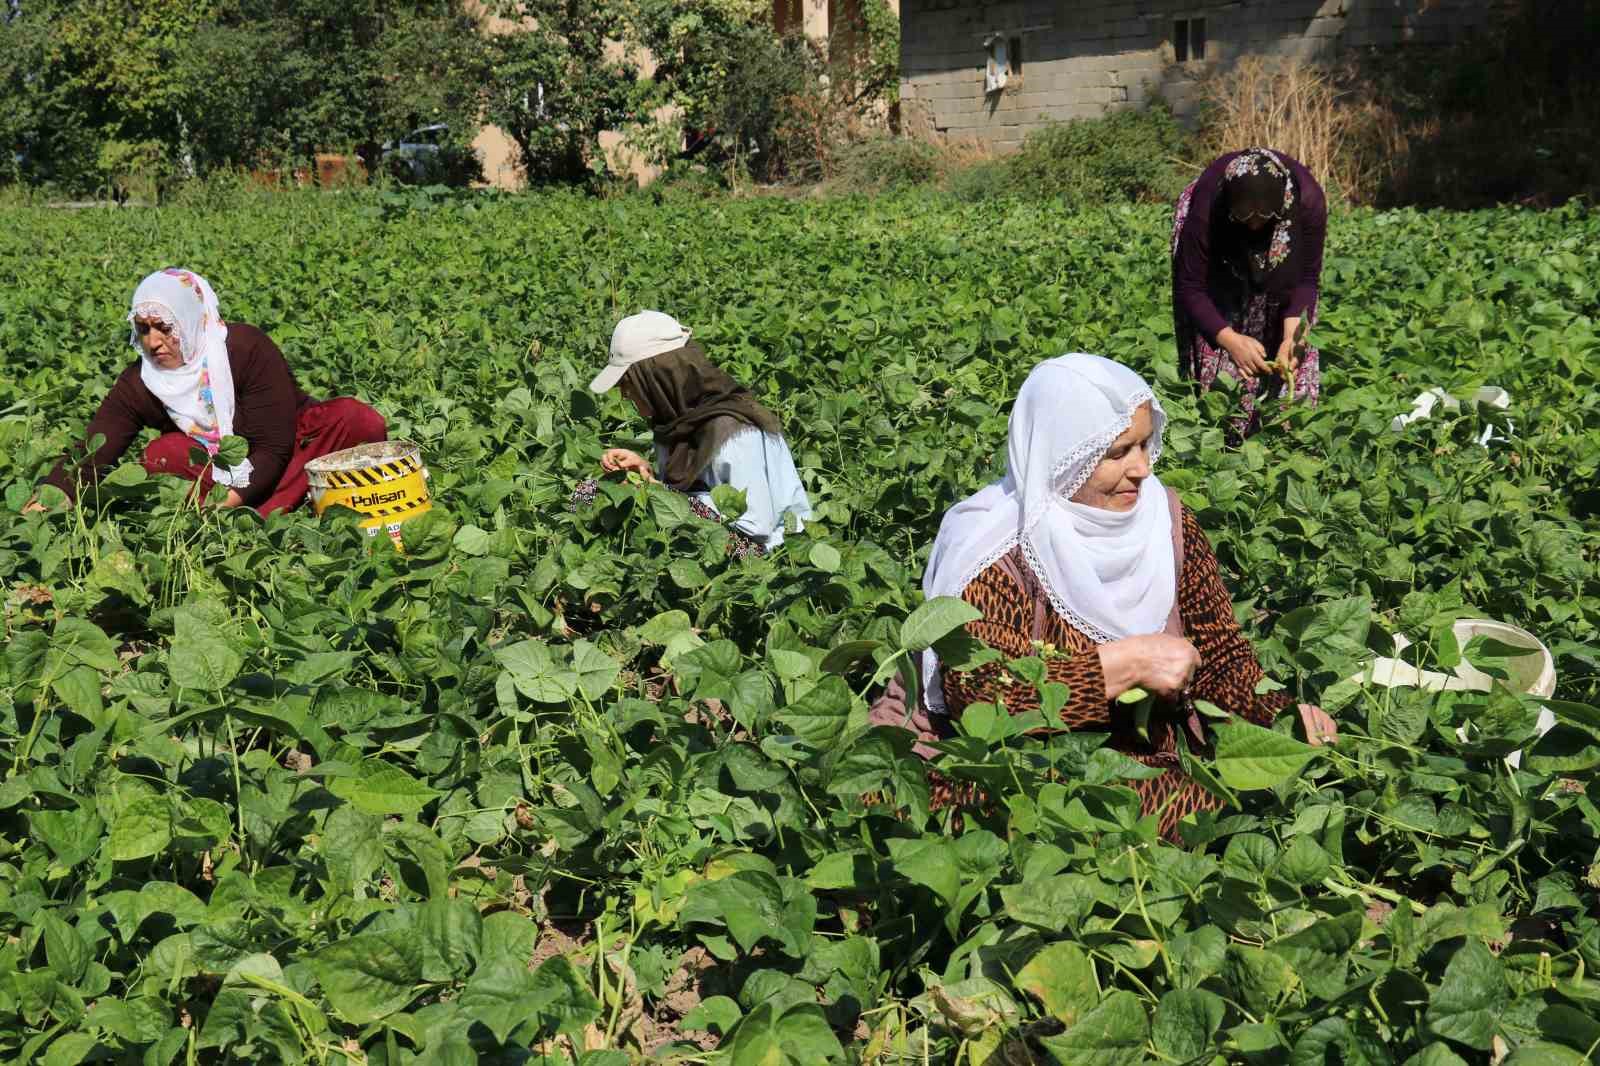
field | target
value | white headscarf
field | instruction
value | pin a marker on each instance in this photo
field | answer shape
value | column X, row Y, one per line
column 1108, row 573
column 199, row 395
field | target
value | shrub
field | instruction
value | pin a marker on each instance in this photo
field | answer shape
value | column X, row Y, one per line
column 1126, row 155
column 882, row 163
column 751, row 115
column 984, row 180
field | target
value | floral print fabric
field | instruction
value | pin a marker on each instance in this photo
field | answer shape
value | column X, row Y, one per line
column 1263, row 162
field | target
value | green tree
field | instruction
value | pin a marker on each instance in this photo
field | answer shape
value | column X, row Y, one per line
column 758, row 102
column 98, row 89
column 710, row 56
column 559, row 78
column 98, row 84
column 352, row 74
column 45, row 134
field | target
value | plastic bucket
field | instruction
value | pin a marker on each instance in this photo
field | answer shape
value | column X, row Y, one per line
column 1531, row 675
column 386, row 482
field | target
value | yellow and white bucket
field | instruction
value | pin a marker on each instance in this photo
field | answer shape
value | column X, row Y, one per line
column 385, row 481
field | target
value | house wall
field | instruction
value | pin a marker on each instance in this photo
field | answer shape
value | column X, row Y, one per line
column 1080, row 59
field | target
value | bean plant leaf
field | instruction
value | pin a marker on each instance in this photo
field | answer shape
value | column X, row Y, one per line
column 1112, row 1034
column 825, row 557
column 1249, row 757
column 935, row 618
column 729, row 501
column 382, row 788
column 717, row 1014
column 1320, row 953
column 1062, row 978
column 536, row 672
column 596, row 670
column 370, row 975
column 201, row 658
column 144, row 828
column 78, row 642
column 1470, row 999
column 1186, row 1022
column 819, row 717
column 231, row 451
column 64, row 948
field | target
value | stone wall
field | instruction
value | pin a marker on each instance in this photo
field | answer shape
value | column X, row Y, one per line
column 1080, row 59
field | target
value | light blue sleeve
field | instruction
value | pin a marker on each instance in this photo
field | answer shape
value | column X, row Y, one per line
column 761, row 466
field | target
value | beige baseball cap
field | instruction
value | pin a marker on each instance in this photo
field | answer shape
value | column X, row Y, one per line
column 637, row 338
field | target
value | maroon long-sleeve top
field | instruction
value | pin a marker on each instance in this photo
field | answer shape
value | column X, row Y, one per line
column 266, row 404
column 1196, row 272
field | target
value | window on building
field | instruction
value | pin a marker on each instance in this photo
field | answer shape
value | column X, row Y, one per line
column 1189, row 40
column 1014, row 56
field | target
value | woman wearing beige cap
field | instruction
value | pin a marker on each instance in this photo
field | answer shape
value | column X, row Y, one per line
column 709, row 430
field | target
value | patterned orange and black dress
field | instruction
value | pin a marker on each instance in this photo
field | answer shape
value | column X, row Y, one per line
column 1227, row 675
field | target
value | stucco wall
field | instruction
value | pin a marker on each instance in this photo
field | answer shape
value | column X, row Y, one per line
column 1081, row 58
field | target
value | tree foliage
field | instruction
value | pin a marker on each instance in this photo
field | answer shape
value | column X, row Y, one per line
column 165, row 87
column 558, row 77
column 101, row 89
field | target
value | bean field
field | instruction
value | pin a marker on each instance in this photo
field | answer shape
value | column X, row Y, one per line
column 566, row 783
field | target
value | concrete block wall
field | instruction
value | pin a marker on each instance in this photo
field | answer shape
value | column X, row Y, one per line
column 1081, row 58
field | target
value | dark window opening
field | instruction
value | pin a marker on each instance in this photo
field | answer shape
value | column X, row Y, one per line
column 1014, row 56
column 1189, row 40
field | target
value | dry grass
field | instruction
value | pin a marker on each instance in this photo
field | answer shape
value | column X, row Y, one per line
column 958, row 153
column 1322, row 116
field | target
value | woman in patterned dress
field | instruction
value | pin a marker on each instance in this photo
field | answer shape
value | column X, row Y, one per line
column 198, row 379
column 1079, row 547
column 1247, row 242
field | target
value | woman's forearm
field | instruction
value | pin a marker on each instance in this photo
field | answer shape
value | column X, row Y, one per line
column 1121, row 667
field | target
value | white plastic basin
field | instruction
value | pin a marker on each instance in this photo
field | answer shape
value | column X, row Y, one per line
column 1532, row 675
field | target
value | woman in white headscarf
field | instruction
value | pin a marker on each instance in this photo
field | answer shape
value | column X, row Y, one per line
column 708, row 429
column 199, row 379
column 1082, row 547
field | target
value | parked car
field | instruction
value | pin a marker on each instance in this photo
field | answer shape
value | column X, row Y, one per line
column 429, row 156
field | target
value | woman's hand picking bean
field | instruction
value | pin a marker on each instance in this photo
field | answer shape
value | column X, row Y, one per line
column 1247, row 352
column 1319, row 725
column 1159, row 663
column 615, row 459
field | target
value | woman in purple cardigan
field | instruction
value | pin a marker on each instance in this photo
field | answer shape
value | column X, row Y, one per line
column 1246, row 257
